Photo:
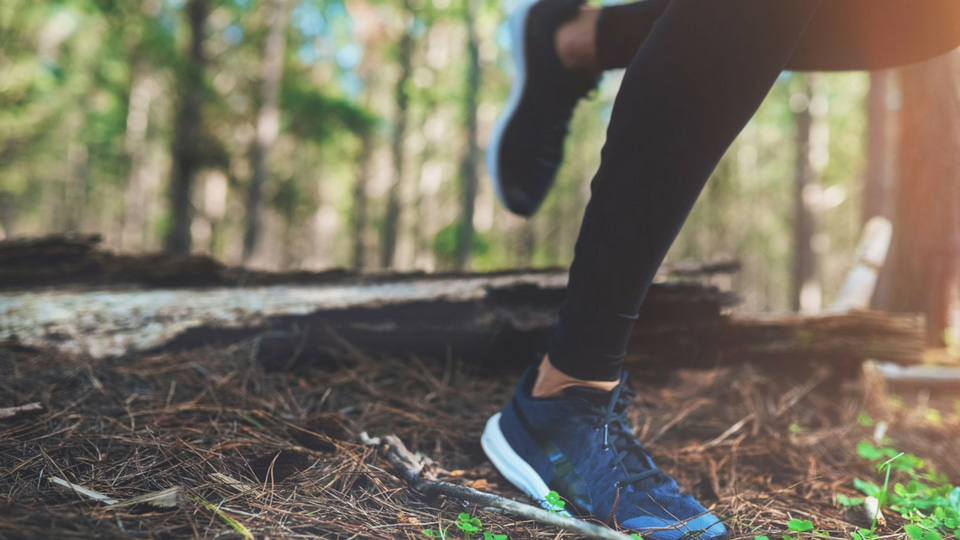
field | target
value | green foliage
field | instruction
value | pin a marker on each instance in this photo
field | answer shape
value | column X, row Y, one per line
column 468, row 527
column 68, row 88
column 556, row 503
column 796, row 525
column 314, row 116
column 843, row 500
column 467, row 524
column 924, row 498
column 447, row 239
column 863, row 534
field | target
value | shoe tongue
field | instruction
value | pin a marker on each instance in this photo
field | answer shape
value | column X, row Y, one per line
column 594, row 396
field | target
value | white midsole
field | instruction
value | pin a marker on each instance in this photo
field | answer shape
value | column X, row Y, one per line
column 518, row 21
column 512, row 466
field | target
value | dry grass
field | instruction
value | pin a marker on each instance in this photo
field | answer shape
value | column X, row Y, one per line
column 759, row 448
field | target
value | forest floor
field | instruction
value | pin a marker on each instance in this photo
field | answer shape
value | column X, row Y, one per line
column 279, row 453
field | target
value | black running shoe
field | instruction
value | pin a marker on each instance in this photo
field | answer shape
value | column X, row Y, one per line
column 526, row 146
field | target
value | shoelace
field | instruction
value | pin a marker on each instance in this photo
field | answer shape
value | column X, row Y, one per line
column 618, row 437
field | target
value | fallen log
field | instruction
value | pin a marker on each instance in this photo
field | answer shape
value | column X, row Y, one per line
column 851, row 336
column 66, row 294
column 425, row 315
column 502, row 318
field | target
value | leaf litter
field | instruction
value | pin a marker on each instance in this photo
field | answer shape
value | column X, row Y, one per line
column 209, row 443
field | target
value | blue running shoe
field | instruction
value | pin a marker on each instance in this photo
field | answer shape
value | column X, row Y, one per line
column 580, row 446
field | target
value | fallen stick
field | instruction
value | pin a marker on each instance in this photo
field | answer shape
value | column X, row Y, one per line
column 167, row 498
column 411, row 467
column 13, row 412
column 89, row 493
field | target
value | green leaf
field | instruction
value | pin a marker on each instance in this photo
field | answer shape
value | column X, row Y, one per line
column 868, row 488
column 869, row 451
column 491, row 536
column 553, row 498
column 760, row 538
column 914, row 531
column 635, row 536
column 797, row 525
column 467, row 524
column 865, row 420
column 843, row 500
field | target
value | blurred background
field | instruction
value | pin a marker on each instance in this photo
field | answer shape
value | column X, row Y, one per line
column 310, row 134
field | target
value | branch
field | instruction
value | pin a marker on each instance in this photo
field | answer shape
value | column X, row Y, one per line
column 410, row 467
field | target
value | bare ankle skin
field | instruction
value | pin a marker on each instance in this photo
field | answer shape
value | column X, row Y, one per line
column 576, row 42
column 551, row 381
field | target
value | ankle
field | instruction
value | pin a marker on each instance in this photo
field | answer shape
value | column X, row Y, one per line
column 552, row 382
column 575, row 41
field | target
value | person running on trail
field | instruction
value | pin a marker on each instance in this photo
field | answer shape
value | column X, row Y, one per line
column 696, row 71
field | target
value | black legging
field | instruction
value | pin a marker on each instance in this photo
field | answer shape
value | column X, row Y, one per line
column 697, row 70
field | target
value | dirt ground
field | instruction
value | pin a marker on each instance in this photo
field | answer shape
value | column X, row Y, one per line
column 280, row 454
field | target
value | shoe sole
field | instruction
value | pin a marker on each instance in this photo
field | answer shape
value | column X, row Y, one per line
column 513, row 467
column 518, row 22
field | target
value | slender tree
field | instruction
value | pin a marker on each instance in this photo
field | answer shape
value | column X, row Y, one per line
column 812, row 153
column 391, row 221
column 358, row 216
column 268, row 118
column 188, row 139
column 471, row 155
column 878, row 178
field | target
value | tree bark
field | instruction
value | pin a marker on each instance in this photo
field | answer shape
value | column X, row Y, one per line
column 268, row 119
column 468, row 165
column 877, row 196
column 812, row 154
column 925, row 269
column 358, row 217
column 391, row 221
column 187, row 147
column 143, row 89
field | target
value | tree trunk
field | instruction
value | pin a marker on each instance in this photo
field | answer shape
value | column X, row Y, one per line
column 813, row 134
column 187, row 147
column 143, row 89
column 468, row 165
column 358, row 217
column 925, row 269
column 877, row 196
column 391, row 221
column 268, row 119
